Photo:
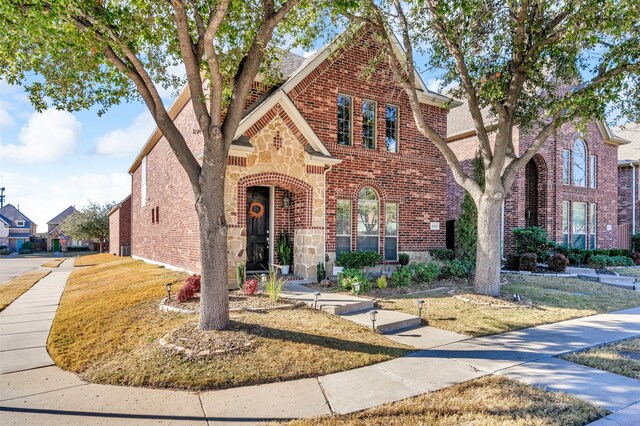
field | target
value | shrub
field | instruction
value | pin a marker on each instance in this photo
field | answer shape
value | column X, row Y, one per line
column 381, row 281
column 191, row 287
column 424, row 272
column 512, row 262
column 635, row 243
column 401, row 277
column 558, row 263
column 2, row 247
column 283, row 247
column 320, row 272
column 250, row 286
column 601, row 252
column 27, row 245
column 455, row 269
column 78, row 248
column 529, row 262
column 4, row 252
column 349, row 277
column 636, row 258
column 575, row 259
column 599, row 261
column 532, row 239
column 441, row 254
column 25, row 251
column 273, row 286
column 241, row 274
column 466, row 227
column 359, row 259
column 403, row 259
column 621, row 261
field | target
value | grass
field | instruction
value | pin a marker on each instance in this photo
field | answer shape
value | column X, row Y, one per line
column 487, row 401
column 620, row 358
column 628, row 272
column 53, row 263
column 96, row 259
column 108, row 326
column 12, row 289
column 554, row 299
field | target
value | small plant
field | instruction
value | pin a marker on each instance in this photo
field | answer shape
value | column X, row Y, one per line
column 189, row 289
column 320, row 272
column 283, row 246
column 382, row 281
column 599, row 261
column 512, row 262
column 273, row 286
column 401, row 277
column 621, row 261
column 455, row 269
column 636, row 258
column 403, row 259
column 359, row 259
column 558, row 263
column 441, row 254
column 250, row 287
column 635, row 243
column 27, row 245
column 4, row 252
column 349, row 277
column 529, row 262
column 532, row 239
column 241, row 272
column 424, row 272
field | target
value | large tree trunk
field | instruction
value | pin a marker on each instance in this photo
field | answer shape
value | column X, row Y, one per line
column 487, row 278
column 214, row 306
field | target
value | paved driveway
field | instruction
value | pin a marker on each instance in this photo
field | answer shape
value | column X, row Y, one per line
column 10, row 268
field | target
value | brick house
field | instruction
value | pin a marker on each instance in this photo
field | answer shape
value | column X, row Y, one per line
column 120, row 228
column 332, row 158
column 15, row 228
column 629, row 183
column 57, row 238
column 566, row 188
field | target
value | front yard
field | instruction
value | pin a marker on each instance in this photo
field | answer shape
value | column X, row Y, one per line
column 12, row 289
column 108, row 327
column 620, row 358
column 628, row 272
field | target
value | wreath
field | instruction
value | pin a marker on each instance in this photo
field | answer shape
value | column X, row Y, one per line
column 256, row 210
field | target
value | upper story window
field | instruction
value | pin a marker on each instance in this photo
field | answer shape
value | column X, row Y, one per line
column 19, row 222
column 566, row 167
column 345, row 119
column 368, row 124
column 143, row 181
column 391, row 130
column 579, row 163
column 368, row 220
column 593, row 171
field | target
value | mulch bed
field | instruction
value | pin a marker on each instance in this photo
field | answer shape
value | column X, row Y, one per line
column 237, row 302
column 432, row 287
column 191, row 342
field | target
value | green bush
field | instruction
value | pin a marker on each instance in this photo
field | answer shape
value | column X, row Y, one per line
column 455, row 269
column 241, row 274
column 25, row 251
column 621, row 261
column 381, row 282
column 78, row 248
column 441, row 254
column 529, row 262
column 401, row 277
column 4, row 252
column 466, row 229
column 599, row 261
column 575, row 259
column 28, row 245
column 558, row 263
column 601, row 252
column 2, row 247
column 403, row 259
column 424, row 272
column 532, row 239
column 320, row 272
column 635, row 243
column 512, row 262
column 350, row 276
column 359, row 259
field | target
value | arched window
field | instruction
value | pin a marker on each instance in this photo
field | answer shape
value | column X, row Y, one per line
column 579, row 163
column 368, row 220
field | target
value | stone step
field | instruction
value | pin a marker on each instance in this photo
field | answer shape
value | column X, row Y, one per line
column 332, row 303
column 386, row 321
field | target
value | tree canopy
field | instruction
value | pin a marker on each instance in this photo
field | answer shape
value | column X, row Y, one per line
column 90, row 222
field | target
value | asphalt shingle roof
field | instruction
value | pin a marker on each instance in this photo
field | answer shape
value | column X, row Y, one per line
column 62, row 216
column 13, row 214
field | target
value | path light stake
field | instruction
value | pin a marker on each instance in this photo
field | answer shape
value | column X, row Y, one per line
column 372, row 315
column 420, row 304
column 315, row 300
column 356, row 287
column 168, row 287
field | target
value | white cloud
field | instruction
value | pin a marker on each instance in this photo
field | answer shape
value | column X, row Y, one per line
column 127, row 141
column 435, row 85
column 79, row 190
column 6, row 120
column 47, row 137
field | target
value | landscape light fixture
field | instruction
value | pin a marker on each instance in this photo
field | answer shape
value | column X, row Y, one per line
column 168, row 287
column 372, row 315
column 420, row 304
column 315, row 299
column 356, row 287
column 286, row 202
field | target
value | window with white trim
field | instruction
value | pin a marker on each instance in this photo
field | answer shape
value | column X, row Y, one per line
column 579, row 163
column 579, row 221
column 593, row 171
column 19, row 222
column 593, row 225
column 566, row 167
column 368, row 124
column 143, row 181
column 368, row 220
column 391, row 128
column 343, row 226
column 345, row 119
column 565, row 222
column 391, row 232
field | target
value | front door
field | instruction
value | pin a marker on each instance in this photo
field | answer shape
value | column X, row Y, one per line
column 258, row 228
column 56, row 244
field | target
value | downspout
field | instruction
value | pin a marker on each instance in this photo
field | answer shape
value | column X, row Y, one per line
column 324, row 212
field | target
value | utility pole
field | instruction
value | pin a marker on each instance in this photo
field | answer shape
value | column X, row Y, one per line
column 2, row 197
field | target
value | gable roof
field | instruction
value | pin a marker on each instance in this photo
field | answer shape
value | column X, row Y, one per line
column 62, row 216
column 294, row 69
column 629, row 153
column 12, row 214
column 117, row 206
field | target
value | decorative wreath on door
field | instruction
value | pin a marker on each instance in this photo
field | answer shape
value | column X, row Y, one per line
column 256, row 210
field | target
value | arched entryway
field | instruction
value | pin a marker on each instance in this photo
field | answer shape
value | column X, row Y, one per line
column 535, row 189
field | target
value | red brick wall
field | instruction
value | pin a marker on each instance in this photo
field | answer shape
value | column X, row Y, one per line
column 625, row 188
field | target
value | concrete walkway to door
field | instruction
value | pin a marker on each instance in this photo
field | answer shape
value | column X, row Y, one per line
column 33, row 391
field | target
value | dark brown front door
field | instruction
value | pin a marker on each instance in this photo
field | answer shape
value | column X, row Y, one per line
column 257, row 228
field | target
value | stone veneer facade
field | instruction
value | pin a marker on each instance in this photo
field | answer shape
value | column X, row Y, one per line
column 165, row 226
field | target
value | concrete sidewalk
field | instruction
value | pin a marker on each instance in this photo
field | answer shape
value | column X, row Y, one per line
column 33, row 391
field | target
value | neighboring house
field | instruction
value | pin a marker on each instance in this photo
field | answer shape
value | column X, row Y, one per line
column 329, row 156
column 56, row 238
column 17, row 227
column 567, row 188
column 120, row 228
column 629, row 183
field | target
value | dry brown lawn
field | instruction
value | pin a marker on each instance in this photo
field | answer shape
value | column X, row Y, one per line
column 629, row 272
column 620, row 358
column 96, row 259
column 53, row 263
column 12, row 289
column 108, row 326
column 487, row 401
column 554, row 299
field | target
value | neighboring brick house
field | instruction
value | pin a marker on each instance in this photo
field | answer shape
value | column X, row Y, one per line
column 120, row 228
column 566, row 188
column 56, row 237
column 629, row 183
column 17, row 227
column 332, row 158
